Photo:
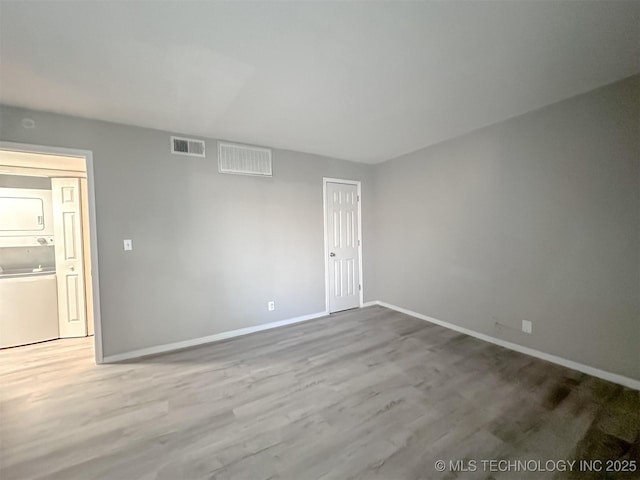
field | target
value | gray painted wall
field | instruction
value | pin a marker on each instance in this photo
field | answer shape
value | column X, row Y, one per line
column 17, row 181
column 535, row 218
column 210, row 250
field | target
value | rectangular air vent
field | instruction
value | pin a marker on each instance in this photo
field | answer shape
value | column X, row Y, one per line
column 187, row 146
column 244, row 160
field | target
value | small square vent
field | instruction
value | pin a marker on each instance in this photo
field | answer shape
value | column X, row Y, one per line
column 187, row 146
column 244, row 159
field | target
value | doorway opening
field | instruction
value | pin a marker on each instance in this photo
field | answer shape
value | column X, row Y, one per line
column 48, row 256
column 342, row 244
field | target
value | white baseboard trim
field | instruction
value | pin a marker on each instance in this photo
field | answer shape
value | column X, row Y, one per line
column 596, row 372
column 370, row 304
column 170, row 347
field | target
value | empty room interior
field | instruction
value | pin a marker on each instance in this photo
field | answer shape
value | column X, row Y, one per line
column 319, row 240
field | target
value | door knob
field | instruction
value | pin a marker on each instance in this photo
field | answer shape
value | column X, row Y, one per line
column 332, row 254
column 72, row 268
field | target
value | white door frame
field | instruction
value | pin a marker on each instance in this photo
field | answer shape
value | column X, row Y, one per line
column 93, row 237
column 358, row 185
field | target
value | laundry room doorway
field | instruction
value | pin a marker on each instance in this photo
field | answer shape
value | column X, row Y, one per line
column 48, row 250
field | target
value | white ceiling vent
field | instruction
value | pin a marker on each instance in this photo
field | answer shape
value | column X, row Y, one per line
column 187, row 146
column 244, row 160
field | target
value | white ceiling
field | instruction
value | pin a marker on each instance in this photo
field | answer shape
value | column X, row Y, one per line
column 358, row 81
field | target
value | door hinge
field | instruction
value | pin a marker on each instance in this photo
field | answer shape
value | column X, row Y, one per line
column 358, row 197
column 358, row 242
column 359, row 287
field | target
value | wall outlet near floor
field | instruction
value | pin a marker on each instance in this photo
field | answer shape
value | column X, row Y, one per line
column 271, row 306
column 526, row 326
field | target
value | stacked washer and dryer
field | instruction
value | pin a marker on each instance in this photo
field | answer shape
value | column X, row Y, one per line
column 28, row 291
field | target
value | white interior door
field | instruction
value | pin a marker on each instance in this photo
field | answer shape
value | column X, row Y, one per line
column 343, row 262
column 67, row 228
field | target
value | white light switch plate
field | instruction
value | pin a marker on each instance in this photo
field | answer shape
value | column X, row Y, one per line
column 526, row 326
column 128, row 244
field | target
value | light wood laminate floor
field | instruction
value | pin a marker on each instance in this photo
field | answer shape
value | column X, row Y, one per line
column 365, row 394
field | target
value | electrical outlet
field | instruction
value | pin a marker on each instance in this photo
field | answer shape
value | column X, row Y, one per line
column 128, row 244
column 526, row 326
column 271, row 306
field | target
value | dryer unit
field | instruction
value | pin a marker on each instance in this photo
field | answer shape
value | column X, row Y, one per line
column 26, row 217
